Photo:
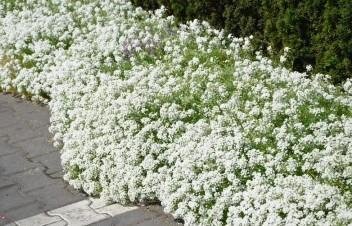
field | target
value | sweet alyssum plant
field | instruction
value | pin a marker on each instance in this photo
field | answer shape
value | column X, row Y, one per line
column 144, row 110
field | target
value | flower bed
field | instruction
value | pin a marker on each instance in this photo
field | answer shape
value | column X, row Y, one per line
column 144, row 110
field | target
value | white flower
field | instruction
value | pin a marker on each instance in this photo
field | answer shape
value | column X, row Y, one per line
column 309, row 67
column 142, row 110
column 283, row 59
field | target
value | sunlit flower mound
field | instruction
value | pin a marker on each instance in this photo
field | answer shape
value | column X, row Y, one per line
column 146, row 110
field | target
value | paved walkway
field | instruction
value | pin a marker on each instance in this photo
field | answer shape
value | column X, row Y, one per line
column 31, row 189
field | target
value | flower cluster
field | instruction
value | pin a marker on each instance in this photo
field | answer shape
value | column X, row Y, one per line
column 143, row 110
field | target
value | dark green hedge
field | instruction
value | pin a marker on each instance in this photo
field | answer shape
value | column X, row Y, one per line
column 319, row 32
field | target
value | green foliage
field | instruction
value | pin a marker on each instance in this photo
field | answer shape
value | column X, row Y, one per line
column 317, row 31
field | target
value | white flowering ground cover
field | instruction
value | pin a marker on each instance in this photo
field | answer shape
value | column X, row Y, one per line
column 144, row 110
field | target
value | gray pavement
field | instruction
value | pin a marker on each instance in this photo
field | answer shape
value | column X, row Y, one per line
column 31, row 189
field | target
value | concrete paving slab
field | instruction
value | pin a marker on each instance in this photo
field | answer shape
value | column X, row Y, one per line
column 54, row 196
column 11, row 198
column 39, row 219
column 129, row 218
column 7, row 121
column 59, row 223
column 6, row 148
column 21, row 134
column 4, row 220
column 33, row 179
column 78, row 214
column 35, row 147
column 14, row 163
column 57, row 174
column 51, row 160
column 96, row 203
column 24, row 211
column 115, row 209
column 37, row 120
column 6, row 182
